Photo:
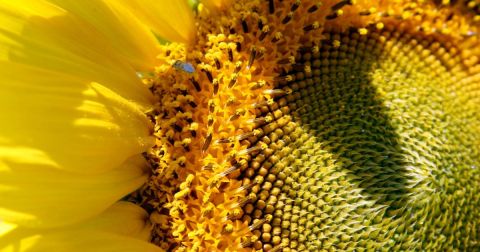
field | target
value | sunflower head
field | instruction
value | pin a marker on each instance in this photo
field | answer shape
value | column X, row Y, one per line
column 277, row 125
column 308, row 125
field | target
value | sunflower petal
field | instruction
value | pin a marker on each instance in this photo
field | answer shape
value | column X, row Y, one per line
column 35, row 196
column 6, row 228
column 78, row 241
column 45, row 36
column 123, row 218
column 170, row 19
column 123, row 30
column 80, row 126
column 116, row 229
column 89, row 127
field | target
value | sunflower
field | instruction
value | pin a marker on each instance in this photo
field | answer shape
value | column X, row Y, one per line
column 240, row 125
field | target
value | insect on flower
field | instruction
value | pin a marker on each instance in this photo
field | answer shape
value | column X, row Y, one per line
column 184, row 66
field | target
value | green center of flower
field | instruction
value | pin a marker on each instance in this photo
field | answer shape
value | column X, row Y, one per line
column 367, row 148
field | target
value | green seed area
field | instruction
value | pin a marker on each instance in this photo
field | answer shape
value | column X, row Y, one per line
column 374, row 145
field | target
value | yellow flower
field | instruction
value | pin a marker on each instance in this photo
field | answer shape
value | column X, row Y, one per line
column 261, row 125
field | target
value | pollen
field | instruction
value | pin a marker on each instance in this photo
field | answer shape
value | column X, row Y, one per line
column 319, row 126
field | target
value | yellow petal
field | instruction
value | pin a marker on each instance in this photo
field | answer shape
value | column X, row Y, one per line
column 6, row 228
column 33, row 195
column 40, row 34
column 78, row 241
column 170, row 19
column 123, row 29
column 114, row 230
column 123, row 218
column 78, row 126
